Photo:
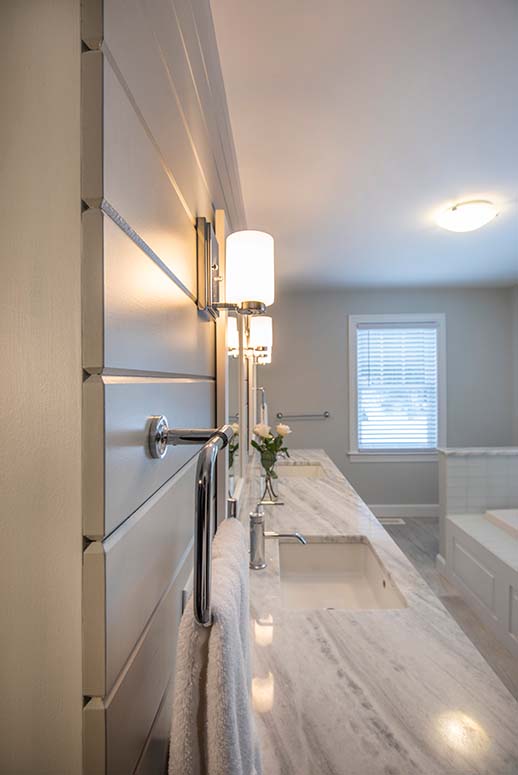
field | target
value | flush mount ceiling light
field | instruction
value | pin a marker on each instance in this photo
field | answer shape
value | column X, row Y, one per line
column 467, row 216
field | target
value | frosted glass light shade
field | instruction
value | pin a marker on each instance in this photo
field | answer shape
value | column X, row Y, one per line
column 261, row 333
column 250, row 267
column 265, row 358
column 467, row 216
column 232, row 336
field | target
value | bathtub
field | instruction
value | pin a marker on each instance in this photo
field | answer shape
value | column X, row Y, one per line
column 481, row 562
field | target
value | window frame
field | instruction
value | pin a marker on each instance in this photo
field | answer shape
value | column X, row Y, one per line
column 396, row 456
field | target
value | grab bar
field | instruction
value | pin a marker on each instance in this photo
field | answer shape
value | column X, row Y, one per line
column 214, row 440
column 322, row 416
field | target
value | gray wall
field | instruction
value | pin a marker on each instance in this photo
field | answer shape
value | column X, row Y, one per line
column 310, row 373
column 40, row 396
column 515, row 363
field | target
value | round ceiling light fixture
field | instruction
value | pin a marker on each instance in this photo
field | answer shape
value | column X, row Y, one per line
column 467, row 216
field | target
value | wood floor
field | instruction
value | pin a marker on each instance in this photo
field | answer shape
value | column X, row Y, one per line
column 419, row 539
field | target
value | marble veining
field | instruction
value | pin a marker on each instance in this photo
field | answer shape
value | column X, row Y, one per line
column 381, row 692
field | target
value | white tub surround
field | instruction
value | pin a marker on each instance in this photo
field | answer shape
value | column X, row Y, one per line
column 482, row 563
column 473, row 480
column 375, row 692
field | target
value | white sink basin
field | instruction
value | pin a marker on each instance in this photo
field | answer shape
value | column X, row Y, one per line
column 335, row 575
column 311, row 470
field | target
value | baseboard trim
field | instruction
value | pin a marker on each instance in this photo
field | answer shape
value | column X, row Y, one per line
column 406, row 510
column 440, row 564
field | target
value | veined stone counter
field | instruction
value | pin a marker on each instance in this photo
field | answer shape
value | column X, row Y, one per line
column 377, row 692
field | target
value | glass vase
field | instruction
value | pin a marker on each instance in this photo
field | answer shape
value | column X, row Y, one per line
column 267, row 488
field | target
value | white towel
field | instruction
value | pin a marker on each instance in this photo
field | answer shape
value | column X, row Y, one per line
column 213, row 728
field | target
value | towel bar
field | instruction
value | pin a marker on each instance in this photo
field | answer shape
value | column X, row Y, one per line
column 213, row 440
column 310, row 416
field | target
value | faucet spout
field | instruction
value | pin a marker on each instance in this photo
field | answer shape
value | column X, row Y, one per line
column 258, row 536
column 298, row 536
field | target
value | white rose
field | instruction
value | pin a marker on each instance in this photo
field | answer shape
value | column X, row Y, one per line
column 235, row 428
column 262, row 430
column 282, row 429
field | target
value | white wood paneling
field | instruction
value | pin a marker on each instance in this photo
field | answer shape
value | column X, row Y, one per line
column 477, row 577
column 119, row 474
column 120, row 164
column 135, row 317
column 155, row 754
column 116, row 728
column 125, row 577
column 160, row 43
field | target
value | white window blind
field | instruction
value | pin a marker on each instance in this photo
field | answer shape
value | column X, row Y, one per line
column 397, row 386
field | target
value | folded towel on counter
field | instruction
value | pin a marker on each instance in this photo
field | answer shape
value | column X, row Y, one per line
column 213, row 728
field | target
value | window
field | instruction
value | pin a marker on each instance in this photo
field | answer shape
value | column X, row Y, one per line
column 397, row 379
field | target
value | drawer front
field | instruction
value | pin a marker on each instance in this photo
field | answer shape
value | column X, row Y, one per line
column 116, row 728
column 119, row 473
column 126, row 575
column 135, row 317
column 122, row 165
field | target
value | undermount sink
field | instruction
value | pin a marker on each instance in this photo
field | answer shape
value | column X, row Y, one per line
column 338, row 574
column 311, row 470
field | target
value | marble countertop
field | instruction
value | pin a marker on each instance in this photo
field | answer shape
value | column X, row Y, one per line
column 379, row 692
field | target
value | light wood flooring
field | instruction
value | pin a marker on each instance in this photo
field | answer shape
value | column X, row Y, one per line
column 419, row 539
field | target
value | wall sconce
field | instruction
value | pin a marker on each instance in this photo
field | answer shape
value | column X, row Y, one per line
column 232, row 338
column 260, row 339
column 250, row 281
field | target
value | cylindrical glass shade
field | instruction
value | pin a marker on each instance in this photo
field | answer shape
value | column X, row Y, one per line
column 232, row 336
column 250, row 267
column 261, row 333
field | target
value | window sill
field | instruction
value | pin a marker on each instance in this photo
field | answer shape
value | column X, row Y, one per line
column 393, row 457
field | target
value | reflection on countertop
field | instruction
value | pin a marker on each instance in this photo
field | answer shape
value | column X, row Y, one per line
column 373, row 692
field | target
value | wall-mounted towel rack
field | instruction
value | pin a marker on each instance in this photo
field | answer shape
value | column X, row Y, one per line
column 213, row 440
column 307, row 416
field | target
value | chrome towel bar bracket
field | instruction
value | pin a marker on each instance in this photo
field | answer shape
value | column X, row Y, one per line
column 213, row 440
column 309, row 416
column 161, row 436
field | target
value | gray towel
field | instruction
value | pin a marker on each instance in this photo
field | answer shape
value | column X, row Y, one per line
column 213, row 728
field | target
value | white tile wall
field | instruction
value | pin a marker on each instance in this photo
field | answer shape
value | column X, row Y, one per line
column 474, row 484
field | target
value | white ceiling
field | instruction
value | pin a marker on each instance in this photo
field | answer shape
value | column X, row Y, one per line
column 355, row 120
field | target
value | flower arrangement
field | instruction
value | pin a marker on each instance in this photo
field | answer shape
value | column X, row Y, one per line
column 270, row 447
column 233, row 445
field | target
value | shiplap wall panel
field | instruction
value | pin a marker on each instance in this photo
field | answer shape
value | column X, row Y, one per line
column 197, row 30
column 186, row 110
column 116, row 728
column 128, row 573
column 154, row 757
column 157, row 153
column 118, row 468
column 143, row 54
column 120, row 164
column 135, row 317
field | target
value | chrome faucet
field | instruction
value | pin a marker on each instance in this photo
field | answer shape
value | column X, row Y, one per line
column 258, row 535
